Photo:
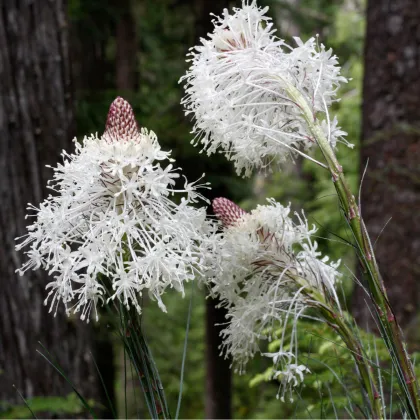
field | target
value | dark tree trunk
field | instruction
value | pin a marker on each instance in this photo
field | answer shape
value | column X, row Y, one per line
column 91, row 25
column 391, row 142
column 218, row 373
column 36, row 123
column 126, row 44
column 218, row 377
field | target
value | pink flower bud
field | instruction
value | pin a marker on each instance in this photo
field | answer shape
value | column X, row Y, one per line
column 121, row 124
column 227, row 211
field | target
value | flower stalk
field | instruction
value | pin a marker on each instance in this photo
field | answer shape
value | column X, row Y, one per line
column 141, row 358
column 337, row 321
column 390, row 329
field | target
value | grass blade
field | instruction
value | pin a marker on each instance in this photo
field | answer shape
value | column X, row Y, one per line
column 181, row 380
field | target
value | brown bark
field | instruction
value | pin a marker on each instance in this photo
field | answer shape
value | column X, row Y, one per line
column 219, row 377
column 391, row 142
column 36, row 123
column 126, row 53
column 91, row 26
column 218, row 374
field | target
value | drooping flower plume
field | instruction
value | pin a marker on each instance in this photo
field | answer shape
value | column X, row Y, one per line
column 268, row 267
column 110, row 230
column 246, row 90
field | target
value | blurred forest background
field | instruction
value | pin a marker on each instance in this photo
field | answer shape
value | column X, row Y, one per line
column 62, row 64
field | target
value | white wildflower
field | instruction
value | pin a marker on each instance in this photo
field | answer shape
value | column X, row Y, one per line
column 266, row 266
column 110, row 229
column 241, row 90
column 289, row 378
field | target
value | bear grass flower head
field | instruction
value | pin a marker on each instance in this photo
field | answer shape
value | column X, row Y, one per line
column 265, row 271
column 110, row 230
column 246, row 90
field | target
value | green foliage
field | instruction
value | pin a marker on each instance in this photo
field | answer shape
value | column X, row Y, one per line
column 308, row 17
column 45, row 407
column 332, row 390
column 166, row 335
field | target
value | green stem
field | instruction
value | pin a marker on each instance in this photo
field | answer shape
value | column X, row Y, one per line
column 361, row 360
column 143, row 363
column 336, row 320
column 389, row 325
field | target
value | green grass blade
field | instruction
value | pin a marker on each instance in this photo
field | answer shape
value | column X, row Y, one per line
column 111, row 405
column 25, row 402
column 59, row 370
column 181, row 380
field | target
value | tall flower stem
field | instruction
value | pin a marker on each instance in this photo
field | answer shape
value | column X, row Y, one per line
column 365, row 369
column 336, row 319
column 141, row 358
column 390, row 329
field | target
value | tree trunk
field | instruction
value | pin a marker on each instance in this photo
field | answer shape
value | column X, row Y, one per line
column 218, row 373
column 36, row 123
column 126, row 54
column 219, row 376
column 391, row 142
column 91, row 25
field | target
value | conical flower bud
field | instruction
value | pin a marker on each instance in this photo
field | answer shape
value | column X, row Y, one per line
column 121, row 124
column 227, row 211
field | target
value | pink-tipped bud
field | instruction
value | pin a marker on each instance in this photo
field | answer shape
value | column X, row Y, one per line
column 227, row 211
column 121, row 123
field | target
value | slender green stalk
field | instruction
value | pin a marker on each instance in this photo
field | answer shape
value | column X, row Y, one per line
column 353, row 344
column 135, row 347
column 25, row 402
column 336, row 320
column 389, row 326
column 142, row 360
column 54, row 363
column 184, row 354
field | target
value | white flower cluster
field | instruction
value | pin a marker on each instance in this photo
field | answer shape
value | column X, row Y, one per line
column 259, row 258
column 239, row 85
column 110, row 229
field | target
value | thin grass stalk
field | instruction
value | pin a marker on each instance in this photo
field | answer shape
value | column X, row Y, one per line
column 364, row 367
column 184, row 354
column 111, row 405
column 390, row 328
column 54, row 363
column 336, row 320
column 25, row 402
